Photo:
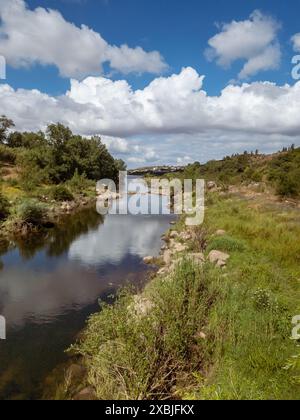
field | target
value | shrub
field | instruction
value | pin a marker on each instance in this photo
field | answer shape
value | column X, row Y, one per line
column 32, row 212
column 7, row 155
column 227, row 244
column 61, row 193
column 79, row 183
column 4, row 207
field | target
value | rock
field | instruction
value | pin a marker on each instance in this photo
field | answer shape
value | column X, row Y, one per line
column 167, row 257
column 148, row 260
column 211, row 185
column 220, row 232
column 179, row 247
column 185, row 236
column 87, row 394
column 174, row 234
column 162, row 271
column 200, row 335
column 197, row 258
column 219, row 258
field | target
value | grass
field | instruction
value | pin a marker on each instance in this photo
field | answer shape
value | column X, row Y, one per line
column 210, row 334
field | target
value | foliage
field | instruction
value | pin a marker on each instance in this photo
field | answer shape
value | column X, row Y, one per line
column 226, row 244
column 31, row 212
column 80, row 183
column 61, row 193
column 244, row 312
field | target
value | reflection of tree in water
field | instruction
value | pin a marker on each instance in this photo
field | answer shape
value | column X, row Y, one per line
column 58, row 240
column 70, row 228
column 4, row 245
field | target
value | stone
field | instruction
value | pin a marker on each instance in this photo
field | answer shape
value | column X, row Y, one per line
column 198, row 258
column 180, row 248
column 220, row 232
column 211, row 185
column 219, row 258
column 87, row 394
column 148, row 260
column 174, row 234
column 167, row 257
column 200, row 335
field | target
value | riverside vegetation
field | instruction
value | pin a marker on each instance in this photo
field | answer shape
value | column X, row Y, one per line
column 215, row 322
column 47, row 173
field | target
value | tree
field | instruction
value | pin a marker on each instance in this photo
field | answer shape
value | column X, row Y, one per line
column 5, row 125
column 120, row 165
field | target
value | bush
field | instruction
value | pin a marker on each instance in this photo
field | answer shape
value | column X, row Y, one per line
column 32, row 212
column 79, row 183
column 7, row 155
column 226, row 244
column 61, row 193
column 4, row 207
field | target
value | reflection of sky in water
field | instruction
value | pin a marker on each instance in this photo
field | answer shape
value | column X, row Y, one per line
column 43, row 288
column 47, row 292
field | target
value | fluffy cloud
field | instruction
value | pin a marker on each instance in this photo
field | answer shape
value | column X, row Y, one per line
column 296, row 42
column 43, row 36
column 170, row 119
column 253, row 40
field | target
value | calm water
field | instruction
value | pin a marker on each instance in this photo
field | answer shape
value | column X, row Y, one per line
column 49, row 287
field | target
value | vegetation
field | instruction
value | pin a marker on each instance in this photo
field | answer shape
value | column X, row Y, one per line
column 208, row 333
column 37, row 168
column 280, row 171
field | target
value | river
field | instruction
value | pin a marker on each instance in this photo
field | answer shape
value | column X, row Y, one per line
column 51, row 285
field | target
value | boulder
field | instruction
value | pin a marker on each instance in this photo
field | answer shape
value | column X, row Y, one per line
column 211, row 185
column 179, row 248
column 87, row 394
column 220, row 232
column 197, row 258
column 167, row 257
column 219, row 258
column 173, row 234
column 149, row 260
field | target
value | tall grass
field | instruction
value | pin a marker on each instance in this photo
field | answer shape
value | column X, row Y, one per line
column 208, row 333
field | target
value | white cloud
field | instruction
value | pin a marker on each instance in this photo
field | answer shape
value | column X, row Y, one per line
column 43, row 36
column 296, row 42
column 173, row 117
column 253, row 40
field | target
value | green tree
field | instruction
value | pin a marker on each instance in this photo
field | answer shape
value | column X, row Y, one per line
column 5, row 125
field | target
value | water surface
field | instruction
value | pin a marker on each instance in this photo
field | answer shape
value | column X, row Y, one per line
column 49, row 286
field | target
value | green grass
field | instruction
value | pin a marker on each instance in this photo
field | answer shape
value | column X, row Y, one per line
column 244, row 311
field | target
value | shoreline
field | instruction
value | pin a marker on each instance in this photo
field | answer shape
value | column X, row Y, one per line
column 197, row 270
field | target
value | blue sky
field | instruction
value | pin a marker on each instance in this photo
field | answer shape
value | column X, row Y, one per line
column 171, row 35
column 179, row 30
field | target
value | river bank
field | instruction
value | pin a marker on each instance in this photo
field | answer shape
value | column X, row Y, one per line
column 214, row 322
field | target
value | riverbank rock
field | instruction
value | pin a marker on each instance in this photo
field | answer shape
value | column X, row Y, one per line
column 220, row 232
column 174, row 234
column 219, row 258
column 197, row 258
column 87, row 394
column 148, row 260
column 211, row 185
column 167, row 257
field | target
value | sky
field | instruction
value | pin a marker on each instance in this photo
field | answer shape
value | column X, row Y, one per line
column 161, row 81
